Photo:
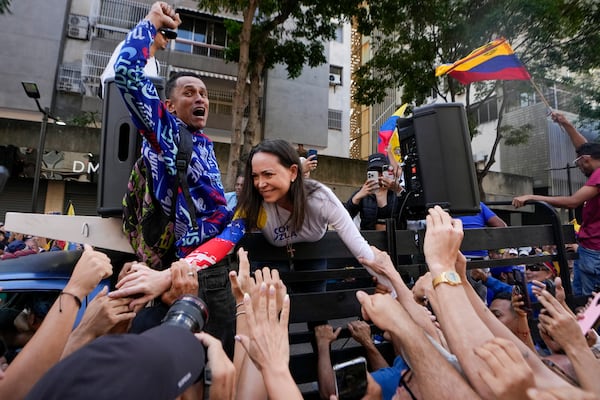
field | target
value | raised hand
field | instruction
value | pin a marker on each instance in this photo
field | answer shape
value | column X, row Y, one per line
column 92, row 267
column 267, row 341
column 325, row 335
column 442, row 241
column 161, row 14
column 503, row 359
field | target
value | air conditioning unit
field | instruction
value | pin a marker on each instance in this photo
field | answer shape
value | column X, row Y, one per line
column 335, row 79
column 79, row 27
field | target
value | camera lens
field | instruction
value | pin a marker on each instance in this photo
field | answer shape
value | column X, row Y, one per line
column 188, row 312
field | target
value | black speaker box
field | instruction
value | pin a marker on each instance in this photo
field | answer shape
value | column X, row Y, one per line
column 119, row 149
column 438, row 163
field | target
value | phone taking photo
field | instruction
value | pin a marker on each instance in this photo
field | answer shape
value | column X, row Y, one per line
column 372, row 176
column 590, row 315
column 312, row 152
column 351, row 379
column 521, row 288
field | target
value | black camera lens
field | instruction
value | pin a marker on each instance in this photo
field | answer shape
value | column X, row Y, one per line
column 188, row 312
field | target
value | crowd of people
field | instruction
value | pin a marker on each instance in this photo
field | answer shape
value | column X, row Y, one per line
column 456, row 333
column 448, row 343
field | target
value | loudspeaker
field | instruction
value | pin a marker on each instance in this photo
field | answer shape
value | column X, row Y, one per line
column 119, row 149
column 438, row 163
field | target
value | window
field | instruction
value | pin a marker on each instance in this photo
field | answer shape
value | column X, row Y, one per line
column 339, row 34
column 201, row 37
column 69, row 78
column 123, row 14
column 221, row 102
column 334, row 119
column 335, row 75
column 486, row 112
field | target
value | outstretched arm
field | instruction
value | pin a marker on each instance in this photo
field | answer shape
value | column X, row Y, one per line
column 543, row 376
column 267, row 342
column 578, row 198
column 436, row 377
column 46, row 346
column 562, row 326
column 325, row 335
column 463, row 330
column 576, row 138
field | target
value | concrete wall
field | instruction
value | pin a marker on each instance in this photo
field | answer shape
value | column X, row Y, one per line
column 296, row 109
column 31, row 50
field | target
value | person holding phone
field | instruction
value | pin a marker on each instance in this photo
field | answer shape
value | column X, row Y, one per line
column 586, row 270
column 309, row 163
column 377, row 199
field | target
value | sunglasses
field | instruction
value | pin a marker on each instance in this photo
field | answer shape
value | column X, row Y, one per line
column 536, row 267
column 576, row 161
column 169, row 34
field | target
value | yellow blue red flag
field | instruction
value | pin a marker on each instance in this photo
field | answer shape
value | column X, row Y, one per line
column 494, row 61
column 388, row 128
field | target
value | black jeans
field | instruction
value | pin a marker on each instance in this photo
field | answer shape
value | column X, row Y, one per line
column 215, row 289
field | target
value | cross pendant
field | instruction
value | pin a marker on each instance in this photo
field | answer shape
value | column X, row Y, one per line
column 290, row 250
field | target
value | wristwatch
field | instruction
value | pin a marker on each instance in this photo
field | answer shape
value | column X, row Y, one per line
column 449, row 277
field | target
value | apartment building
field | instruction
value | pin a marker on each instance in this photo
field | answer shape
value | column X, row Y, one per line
column 63, row 47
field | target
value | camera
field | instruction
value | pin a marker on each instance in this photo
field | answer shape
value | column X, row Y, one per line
column 188, row 312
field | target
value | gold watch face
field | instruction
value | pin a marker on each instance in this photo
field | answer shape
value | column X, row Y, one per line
column 453, row 277
column 449, row 277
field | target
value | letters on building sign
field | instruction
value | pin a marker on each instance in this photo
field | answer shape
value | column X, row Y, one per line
column 57, row 165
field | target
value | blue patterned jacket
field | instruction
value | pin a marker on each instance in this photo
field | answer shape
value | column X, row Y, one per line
column 161, row 131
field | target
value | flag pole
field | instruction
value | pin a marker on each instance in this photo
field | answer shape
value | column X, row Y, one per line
column 537, row 89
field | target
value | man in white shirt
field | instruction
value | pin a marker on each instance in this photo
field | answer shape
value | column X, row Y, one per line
column 152, row 68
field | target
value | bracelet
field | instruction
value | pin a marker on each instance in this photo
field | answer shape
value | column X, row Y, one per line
column 238, row 305
column 237, row 314
column 77, row 300
column 524, row 334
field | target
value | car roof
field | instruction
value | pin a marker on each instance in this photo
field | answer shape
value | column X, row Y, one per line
column 43, row 271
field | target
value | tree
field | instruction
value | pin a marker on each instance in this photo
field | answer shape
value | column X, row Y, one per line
column 412, row 37
column 5, row 6
column 291, row 32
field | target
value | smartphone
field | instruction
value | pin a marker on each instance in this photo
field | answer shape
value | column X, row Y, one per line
column 590, row 315
column 312, row 152
column 351, row 379
column 521, row 288
column 372, row 175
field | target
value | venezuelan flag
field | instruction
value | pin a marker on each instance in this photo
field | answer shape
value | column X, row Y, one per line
column 387, row 130
column 494, row 61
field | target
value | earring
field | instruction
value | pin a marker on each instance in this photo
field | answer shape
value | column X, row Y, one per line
column 293, row 180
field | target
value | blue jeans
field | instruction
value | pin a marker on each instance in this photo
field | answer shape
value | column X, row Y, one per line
column 304, row 265
column 586, row 271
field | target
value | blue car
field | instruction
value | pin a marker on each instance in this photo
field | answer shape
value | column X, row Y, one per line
column 38, row 276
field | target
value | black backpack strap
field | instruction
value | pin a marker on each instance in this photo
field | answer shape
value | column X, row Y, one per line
column 184, row 155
